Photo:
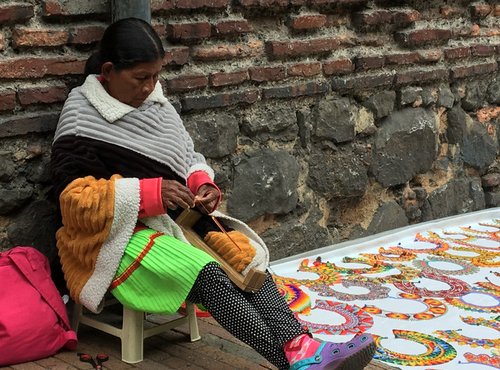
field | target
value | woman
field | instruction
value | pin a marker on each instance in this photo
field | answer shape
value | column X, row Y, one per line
column 123, row 167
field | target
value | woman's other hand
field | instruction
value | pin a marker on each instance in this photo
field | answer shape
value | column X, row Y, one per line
column 174, row 194
column 206, row 198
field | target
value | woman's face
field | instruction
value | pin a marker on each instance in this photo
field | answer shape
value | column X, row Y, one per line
column 131, row 85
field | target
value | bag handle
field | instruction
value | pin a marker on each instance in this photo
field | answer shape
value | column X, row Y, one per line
column 42, row 283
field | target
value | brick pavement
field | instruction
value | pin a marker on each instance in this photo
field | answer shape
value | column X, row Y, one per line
column 217, row 350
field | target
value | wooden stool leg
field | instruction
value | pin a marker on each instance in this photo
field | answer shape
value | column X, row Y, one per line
column 194, row 333
column 132, row 336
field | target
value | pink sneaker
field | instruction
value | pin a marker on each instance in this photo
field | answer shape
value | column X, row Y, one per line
column 352, row 355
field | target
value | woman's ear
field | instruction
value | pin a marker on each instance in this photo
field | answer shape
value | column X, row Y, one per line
column 106, row 70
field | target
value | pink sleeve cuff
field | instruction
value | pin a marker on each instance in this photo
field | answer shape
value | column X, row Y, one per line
column 151, row 203
column 196, row 179
column 199, row 178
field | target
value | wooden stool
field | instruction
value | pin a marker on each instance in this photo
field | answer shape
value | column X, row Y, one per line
column 132, row 332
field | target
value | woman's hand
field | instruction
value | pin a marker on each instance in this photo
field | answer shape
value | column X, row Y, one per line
column 174, row 194
column 206, row 198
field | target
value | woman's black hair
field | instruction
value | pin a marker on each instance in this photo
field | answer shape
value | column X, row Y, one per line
column 126, row 43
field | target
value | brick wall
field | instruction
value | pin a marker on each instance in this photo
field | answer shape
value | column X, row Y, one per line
column 268, row 72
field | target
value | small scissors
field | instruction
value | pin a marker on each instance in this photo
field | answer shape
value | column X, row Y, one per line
column 100, row 358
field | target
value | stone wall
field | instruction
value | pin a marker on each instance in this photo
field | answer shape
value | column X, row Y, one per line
column 324, row 120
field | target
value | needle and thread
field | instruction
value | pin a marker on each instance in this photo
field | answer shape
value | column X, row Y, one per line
column 219, row 225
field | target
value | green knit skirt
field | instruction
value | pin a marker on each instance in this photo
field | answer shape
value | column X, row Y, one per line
column 157, row 272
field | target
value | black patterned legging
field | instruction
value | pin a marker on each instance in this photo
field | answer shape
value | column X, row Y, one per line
column 262, row 320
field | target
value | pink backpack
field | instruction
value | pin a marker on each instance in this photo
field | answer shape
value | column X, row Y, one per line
column 33, row 319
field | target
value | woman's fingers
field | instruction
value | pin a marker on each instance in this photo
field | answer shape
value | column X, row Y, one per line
column 174, row 195
column 206, row 199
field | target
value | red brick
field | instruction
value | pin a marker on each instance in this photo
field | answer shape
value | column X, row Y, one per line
column 230, row 28
column 430, row 55
column 264, row 74
column 22, row 125
column 2, row 41
column 423, row 36
column 473, row 70
column 198, row 4
column 160, row 29
column 159, row 5
column 421, row 76
column 308, row 22
column 228, row 78
column 16, row 13
column 337, row 67
column 480, row 10
column 7, row 100
column 293, row 91
column 405, row 17
column 51, row 8
column 284, row 49
column 176, row 56
column 45, row 94
column 34, row 67
column 186, row 83
column 263, row 3
column 448, row 11
column 85, row 35
column 228, row 51
column 304, row 69
column 32, row 37
column 188, row 31
column 457, row 53
column 482, row 50
column 386, row 16
column 496, row 11
column 219, row 100
column 372, row 62
column 402, row 58
column 367, row 81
